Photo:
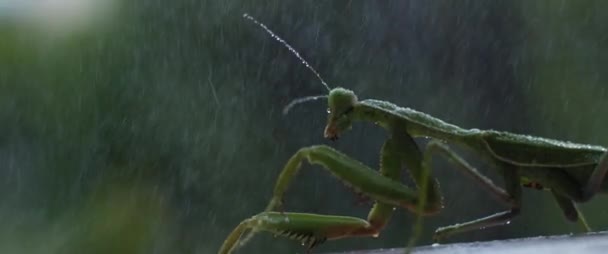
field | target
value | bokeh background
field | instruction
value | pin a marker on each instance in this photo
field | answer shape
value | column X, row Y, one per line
column 155, row 126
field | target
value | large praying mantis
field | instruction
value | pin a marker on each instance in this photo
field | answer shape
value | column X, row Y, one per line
column 571, row 172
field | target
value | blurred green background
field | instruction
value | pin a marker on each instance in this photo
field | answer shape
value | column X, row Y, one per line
column 155, row 126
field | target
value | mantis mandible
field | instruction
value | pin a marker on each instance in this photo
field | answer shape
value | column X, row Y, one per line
column 571, row 172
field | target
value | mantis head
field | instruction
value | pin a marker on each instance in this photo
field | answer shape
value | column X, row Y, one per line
column 341, row 101
column 341, row 104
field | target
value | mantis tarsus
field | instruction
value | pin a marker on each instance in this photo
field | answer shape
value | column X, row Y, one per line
column 571, row 172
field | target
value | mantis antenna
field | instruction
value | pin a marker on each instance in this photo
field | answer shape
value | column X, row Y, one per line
column 276, row 37
column 288, row 47
column 300, row 100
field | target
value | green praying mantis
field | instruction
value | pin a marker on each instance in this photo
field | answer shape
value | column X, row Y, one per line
column 572, row 173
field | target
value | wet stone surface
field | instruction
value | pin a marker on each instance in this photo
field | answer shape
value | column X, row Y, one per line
column 591, row 243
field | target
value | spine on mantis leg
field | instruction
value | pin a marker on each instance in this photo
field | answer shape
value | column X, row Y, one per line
column 310, row 229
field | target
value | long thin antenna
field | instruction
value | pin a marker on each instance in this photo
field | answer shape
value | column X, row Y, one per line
column 288, row 46
column 300, row 100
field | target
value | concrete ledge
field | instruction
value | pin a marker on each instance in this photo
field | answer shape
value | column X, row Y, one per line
column 591, row 243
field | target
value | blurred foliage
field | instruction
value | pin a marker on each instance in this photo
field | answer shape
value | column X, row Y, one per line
column 159, row 129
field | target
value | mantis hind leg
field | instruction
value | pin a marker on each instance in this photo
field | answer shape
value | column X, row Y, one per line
column 566, row 205
column 565, row 189
column 510, row 196
column 596, row 179
column 570, row 210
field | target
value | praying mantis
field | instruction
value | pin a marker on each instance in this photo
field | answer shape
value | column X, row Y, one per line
column 572, row 173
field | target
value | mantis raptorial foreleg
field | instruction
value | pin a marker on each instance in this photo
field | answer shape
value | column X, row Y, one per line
column 397, row 152
column 381, row 187
column 310, row 229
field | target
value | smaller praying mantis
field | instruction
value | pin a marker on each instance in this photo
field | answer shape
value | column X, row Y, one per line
column 570, row 172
